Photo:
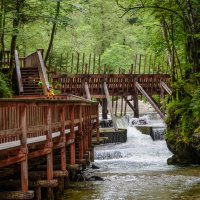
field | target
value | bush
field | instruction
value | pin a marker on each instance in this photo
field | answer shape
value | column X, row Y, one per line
column 5, row 91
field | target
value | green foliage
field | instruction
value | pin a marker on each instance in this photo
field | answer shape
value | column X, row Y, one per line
column 117, row 55
column 5, row 91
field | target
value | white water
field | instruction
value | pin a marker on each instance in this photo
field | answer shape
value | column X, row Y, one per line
column 140, row 152
column 138, row 170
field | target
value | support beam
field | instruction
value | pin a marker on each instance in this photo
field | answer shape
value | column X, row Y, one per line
column 166, row 88
column 110, row 105
column 130, row 105
column 87, row 91
column 135, row 105
column 139, row 87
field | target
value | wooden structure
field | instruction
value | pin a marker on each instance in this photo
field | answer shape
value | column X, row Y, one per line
column 31, row 74
column 124, row 86
column 41, row 140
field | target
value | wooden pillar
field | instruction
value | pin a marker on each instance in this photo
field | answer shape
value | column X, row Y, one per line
column 104, row 108
column 87, row 91
column 80, row 132
column 72, row 136
column 49, row 145
column 24, row 150
column 63, row 139
column 136, row 107
column 110, row 106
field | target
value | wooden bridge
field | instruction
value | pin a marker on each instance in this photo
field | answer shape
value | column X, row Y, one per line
column 58, row 131
column 44, row 138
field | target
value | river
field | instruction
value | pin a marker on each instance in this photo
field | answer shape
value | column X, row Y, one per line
column 137, row 170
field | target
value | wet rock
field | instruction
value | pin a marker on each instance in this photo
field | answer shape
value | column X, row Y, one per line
column 175, row 160
column 95, row 178
column 95, row 166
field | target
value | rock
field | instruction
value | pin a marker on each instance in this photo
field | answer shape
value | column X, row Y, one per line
column 95, row 178
column 95, row 166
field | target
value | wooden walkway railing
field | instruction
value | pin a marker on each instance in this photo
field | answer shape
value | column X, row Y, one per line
column 33, row 128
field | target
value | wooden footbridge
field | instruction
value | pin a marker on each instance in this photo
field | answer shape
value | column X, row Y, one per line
column 45, row 137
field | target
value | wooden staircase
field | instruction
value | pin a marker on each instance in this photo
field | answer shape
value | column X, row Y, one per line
column 29, row 72
column 30, row 79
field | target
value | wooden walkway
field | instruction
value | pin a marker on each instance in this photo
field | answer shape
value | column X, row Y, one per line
column 58, row 131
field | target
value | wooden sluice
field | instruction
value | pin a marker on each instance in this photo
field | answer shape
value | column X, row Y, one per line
column 42, row 142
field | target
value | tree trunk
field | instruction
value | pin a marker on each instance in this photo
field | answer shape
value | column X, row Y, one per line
column 2, row 25
column 53, row 32
column 15, row 31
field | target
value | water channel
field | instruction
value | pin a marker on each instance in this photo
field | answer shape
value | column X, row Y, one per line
column 137, row 170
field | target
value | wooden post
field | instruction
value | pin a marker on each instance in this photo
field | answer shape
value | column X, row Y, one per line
column 72, row 63
column 72, row 136
column 99, row 64
column 150, row 64
column 110, row 106
column 104, row 108
column 94, row 63
column 89, row 63
column 116, row 106
column 80, row 131
column 77, row 64
column 24, row 149
column 121, row 105
column 87, row 91
column 49, row 145
column 140, row 63
column 83, row 63
column 135, row 64
column 136, row 107
column 63, row 139
column 145, row 62
column 67, row 60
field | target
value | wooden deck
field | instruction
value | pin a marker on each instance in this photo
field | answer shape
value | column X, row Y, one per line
column 57, row 130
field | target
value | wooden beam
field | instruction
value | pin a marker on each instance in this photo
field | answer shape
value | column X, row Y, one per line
column 166, row 88
column 87, row 91
column 110, row 106
column 139, row 87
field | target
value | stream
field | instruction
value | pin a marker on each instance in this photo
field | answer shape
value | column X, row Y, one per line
column 137, row 170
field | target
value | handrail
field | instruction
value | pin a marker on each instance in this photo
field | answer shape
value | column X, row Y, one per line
column 43, row 73
column 18, row 72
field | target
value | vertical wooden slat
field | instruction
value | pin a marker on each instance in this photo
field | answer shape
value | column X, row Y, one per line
column 24, row 150
column 94, row 60
column 77, row 64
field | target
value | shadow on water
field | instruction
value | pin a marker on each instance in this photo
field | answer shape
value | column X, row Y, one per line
column 137, row 170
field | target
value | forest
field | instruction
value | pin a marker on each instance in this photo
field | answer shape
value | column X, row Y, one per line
column 117, row 30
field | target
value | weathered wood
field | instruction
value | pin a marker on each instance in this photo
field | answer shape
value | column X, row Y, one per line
column 24, row 150
column 43, row 74
column 17, row 195
column 18, row 72
column 139, row 87
column 166, row 88
column 110, row 106
column 87, row 91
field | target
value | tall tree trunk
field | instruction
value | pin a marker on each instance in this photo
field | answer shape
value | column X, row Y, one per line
column 2, row 25
column 15, row 31
column 193, row 43
column 53, row 32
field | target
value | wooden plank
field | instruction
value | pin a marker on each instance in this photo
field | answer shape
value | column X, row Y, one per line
column 110, row 106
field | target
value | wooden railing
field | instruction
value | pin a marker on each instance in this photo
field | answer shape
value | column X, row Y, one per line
column 34, row 60
column 31, row 128
column 118, row 84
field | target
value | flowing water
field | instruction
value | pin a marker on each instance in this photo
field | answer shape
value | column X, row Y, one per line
column 137, row 170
